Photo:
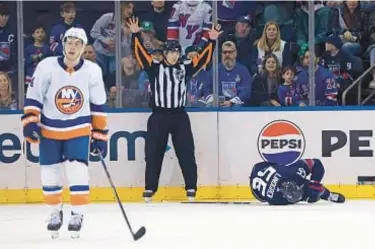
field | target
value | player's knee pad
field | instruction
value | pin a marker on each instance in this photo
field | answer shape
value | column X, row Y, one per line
column 78, row 179
column 52, row 183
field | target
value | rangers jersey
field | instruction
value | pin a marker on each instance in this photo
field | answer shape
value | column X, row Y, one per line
column 189, row 24
column 69, row 101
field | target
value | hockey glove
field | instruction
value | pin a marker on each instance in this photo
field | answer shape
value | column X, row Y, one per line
column 31, row 128
column 99, row 141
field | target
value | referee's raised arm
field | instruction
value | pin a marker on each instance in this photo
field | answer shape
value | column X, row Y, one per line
column 204, row 58
column 143, row 58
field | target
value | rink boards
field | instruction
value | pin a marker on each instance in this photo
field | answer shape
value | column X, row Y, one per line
column 227, row 145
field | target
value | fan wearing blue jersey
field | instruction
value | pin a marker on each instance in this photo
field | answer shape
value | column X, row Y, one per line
column 300, row 181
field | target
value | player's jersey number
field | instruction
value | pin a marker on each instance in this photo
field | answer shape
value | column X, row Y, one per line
column 261, row 181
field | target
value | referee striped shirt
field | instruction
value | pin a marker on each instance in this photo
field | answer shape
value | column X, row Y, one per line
column 169, row 82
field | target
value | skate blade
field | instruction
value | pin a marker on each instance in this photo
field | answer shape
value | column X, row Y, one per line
column 74, row 235
column 148, row 199
column 55, row 234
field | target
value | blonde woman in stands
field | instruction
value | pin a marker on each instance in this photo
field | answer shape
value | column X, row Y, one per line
column 6, row 99
column 270, row 43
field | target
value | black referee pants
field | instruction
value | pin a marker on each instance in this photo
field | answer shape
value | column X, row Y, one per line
column 159, row 126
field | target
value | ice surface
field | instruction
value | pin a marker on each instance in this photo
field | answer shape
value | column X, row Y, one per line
column 198, row 226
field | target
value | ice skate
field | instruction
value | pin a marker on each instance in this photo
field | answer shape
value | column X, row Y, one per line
column 336, row 197
column 190, row 193
column 147, row 195
column 55, row 223
column 75, row 225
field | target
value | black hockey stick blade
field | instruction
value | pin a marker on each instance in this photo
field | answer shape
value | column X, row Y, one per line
column 139, row 234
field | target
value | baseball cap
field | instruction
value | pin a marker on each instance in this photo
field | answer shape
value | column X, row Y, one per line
column 244, row 19
column 147, row 26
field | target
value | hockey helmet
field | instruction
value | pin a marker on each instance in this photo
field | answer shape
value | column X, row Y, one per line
column 291, row 191
column 78, row 33
column 172, row 45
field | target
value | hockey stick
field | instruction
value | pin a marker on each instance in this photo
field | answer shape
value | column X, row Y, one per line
column 139, row 234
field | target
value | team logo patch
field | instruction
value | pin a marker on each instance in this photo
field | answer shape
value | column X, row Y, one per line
column 69, row 99
column 282, row 142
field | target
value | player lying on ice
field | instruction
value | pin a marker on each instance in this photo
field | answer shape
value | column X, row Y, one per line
column 284, row 185
column 64, row 114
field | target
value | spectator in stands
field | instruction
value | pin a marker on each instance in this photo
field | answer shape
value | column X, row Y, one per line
column 243, row 37
column 189, row 23
column 7, row 100
column 270, row 42
column 289, row 92
column 323, row 25
column 195, row 93
column 266, row 83
column 158, row 15
column 280, row 12
column 229, row 11
column 8, row 42
column 338, row 61
column 235, row 81
column 103, row 32
column 89, row 53
column 349, row 21
column 370, row 52
column 129, row 78
column 326, row 89
column 132, row 95
column 68, row 13
column 35, row 52
column 148, row 36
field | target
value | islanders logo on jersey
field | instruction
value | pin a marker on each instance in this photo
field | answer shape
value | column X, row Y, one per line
column 69, row 99
column 282, row 142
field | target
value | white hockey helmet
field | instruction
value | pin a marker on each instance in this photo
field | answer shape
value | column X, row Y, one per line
column 78, row 33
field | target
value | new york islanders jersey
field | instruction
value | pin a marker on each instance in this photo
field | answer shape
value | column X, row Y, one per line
column 190, row 24
column 266, row 178
column 70, row 102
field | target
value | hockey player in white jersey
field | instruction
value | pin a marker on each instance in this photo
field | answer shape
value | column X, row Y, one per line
column 64, row 113
column 189, row 23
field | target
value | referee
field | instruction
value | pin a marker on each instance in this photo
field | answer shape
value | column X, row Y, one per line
column 168, row 82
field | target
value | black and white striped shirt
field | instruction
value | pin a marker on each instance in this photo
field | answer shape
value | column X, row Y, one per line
column 169, row 83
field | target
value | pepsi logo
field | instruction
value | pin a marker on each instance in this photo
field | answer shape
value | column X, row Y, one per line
column 69, row 99
column 282, row 142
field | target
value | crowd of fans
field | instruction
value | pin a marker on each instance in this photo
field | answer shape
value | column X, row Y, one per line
column 263, row 52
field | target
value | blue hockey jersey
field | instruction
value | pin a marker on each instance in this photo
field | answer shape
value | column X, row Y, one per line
column 8, row 48
column 266, row 179
column 234, row 85
column 57, row 33
column 326, row 89
column 289, row 95
column 33, row 55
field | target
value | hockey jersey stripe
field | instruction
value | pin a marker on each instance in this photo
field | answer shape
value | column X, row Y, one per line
column 99, row 122
column 173, row 24
column 33, row 102
column 32, row 106
column 67, row 134
column 96, row 108
column 65, row 123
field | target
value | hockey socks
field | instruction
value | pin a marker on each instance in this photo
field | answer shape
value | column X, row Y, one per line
column 52, row 186
column 77, row 175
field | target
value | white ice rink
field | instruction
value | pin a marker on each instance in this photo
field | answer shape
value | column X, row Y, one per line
column 199, row 226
